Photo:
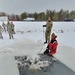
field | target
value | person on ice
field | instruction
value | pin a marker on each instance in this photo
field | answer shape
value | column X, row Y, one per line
column 49, row 26
column 1, row 32
column 13, row 27
column 10, row 29
column 4, row 26
column 52, row 46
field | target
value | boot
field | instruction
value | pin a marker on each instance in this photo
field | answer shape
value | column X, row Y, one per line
column 46, row 51
column 12, row 37
column 9, row 37
column 45, row 42
column 2, row 37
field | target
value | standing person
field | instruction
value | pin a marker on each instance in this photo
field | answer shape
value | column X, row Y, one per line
column 52, row 46
column 10, row 30
column 4, row 26
column 13, row 28
column 1, row 32
column 49, row 26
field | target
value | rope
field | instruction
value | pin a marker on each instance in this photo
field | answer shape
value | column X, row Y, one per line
column 41, row 49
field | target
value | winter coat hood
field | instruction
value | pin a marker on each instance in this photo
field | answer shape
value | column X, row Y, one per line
column 53, row 36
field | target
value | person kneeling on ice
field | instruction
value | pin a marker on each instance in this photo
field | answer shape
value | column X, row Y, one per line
column 52, row 45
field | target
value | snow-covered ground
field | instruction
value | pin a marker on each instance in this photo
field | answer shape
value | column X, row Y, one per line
column 29, row 39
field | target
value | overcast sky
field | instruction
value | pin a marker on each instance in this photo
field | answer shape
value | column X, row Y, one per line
column 31, row 6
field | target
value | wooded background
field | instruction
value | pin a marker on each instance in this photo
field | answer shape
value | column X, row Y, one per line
column 42, row 16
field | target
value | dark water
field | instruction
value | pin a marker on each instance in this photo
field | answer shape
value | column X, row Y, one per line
column 55, row 68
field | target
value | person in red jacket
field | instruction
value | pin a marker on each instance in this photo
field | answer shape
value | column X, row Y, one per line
column 52, row 46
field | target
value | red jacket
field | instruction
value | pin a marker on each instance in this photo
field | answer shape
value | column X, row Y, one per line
column 53, row 46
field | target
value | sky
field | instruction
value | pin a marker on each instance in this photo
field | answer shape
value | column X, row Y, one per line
column 31, row 6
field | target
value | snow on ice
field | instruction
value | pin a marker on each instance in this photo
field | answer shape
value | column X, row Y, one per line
column 36, row 64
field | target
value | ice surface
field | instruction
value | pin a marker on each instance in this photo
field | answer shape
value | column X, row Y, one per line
column 29, row 39
column 8, row 66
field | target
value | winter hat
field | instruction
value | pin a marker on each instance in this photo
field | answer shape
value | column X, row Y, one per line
column 53, row 36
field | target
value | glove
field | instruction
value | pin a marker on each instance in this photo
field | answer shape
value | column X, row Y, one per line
column 44, row 25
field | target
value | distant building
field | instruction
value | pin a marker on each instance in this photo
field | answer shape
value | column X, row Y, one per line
column 3, row 18
column 29, row 19
column 68, row 19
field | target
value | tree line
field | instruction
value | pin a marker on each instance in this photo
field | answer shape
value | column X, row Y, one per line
column 42, row 16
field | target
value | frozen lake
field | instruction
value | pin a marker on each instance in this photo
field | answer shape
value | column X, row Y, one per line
column 29, row 39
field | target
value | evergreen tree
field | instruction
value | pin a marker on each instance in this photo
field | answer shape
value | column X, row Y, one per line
column 23, row 16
